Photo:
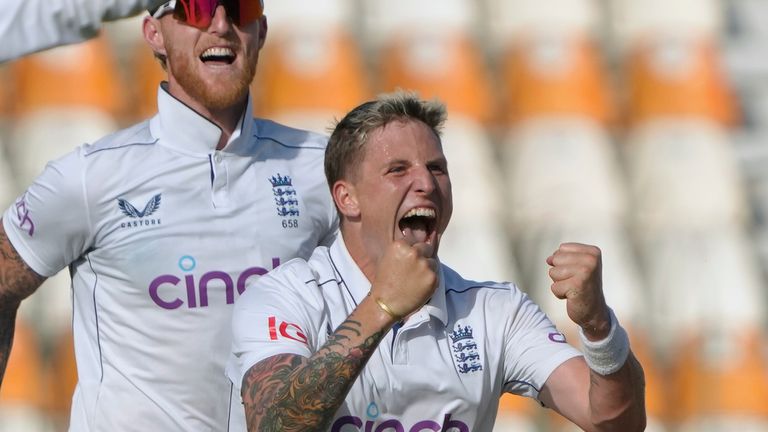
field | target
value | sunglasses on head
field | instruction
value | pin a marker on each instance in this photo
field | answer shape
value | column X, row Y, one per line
column 199, row 13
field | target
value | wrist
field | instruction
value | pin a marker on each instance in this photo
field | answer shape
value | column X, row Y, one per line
column 385, row 310
column 607, row 355
column 598, row 328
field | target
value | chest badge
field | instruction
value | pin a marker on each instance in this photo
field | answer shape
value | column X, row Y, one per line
column 140, row 217
column 465, row 352
column 286, row 200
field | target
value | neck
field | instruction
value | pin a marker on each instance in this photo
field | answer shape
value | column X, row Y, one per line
column 357, row 251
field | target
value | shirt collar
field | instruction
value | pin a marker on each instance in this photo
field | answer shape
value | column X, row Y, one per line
column 180, row 127
column 359, row 286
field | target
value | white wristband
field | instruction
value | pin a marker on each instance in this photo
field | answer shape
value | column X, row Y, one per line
column 608, row 355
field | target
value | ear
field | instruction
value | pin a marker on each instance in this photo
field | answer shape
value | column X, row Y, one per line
column 262, row 31
column 345, row 197
column 154, row 35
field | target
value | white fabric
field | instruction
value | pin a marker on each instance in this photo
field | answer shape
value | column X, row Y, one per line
column 27, row 26
column 423, row 373
column 161, row 231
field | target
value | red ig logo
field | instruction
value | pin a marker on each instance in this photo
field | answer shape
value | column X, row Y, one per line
column 286, row 330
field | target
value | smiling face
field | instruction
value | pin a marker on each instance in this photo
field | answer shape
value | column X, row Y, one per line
column 210, row 70
column 400, row 190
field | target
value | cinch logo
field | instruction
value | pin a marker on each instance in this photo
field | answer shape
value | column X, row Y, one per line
column 196, row 290
column 22, row 214
column 132, row 212
column 394, row 425
column 286, row 330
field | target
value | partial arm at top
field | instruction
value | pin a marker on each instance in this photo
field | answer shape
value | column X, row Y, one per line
column 28, row 26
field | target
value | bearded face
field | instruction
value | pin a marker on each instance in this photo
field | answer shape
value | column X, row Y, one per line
column 211, row 69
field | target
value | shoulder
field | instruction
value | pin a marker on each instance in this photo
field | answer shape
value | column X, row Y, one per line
column 136, row 135
column 456, row 284
column 504, row 297
column 288, row 137
column 299, row 273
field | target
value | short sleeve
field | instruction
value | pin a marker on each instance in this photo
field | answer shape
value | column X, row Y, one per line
column 48, row 224
column 534, row 349
column 274, row 316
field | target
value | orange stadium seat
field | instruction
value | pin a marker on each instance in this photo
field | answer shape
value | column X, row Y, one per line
column 678, row 77
column 147, row 73
column 555, row 75
column 449, row 67
column 723, row 387
column 311, row 69
column 430, row 47
column 61, row 378
column 81, row 75
column 21, row 397
column 75, row 91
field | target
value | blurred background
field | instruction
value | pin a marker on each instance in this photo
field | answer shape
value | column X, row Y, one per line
column 638, row 126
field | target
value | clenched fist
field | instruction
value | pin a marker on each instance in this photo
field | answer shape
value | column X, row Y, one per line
column 406, row 277
column 576, row 277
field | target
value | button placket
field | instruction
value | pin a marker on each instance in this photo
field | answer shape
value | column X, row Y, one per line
column 220, row 182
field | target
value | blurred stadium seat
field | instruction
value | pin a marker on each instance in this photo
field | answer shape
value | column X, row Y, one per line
column 691, row 216
column 146, row 73
column 311, row 70
column 22, row 398
column 61, row 379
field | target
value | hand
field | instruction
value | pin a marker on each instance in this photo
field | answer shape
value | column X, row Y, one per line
column 576, row 276
column 406, row 277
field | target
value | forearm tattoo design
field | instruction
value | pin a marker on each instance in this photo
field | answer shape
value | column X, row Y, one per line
column 292, row 393
column 17, row 281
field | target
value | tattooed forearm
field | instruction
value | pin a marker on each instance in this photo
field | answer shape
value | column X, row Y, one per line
column 17, row 281
column 293, row 393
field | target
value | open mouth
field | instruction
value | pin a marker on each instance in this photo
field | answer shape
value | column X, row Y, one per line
column 418, row 225
column 218, row 55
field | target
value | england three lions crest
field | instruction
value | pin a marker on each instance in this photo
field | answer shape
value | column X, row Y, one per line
column 465, row 353
column 286, row 199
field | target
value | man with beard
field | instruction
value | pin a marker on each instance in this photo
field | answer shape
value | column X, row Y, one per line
column 27, row 26
column 164, row 223
column 373, row 333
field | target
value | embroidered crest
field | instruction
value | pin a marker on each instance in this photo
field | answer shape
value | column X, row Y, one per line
column 286, row 200
column 465, row 350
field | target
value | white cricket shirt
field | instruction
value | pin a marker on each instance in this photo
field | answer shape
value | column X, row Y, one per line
column 446, row 367
column 162, row 233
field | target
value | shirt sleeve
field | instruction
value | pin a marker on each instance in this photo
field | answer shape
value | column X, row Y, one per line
column 535, row 348
column 277, row 315
column 27, row 26
column 48, row 224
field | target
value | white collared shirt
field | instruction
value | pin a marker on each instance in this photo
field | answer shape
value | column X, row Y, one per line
column 445, row 367
column 162, row 232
